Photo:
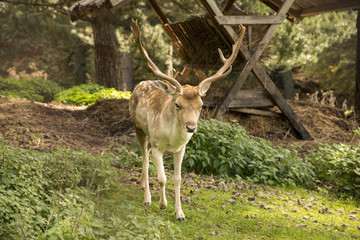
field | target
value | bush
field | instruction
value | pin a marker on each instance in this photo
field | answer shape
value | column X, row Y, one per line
column 32, row 89
column 34, row 184
column 225, row 149
column 339, row 165
column 88, row 94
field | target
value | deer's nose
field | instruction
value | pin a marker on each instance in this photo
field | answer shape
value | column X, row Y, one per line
column 190, row 127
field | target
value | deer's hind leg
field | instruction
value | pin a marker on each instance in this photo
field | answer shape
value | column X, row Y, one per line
column 144, row 179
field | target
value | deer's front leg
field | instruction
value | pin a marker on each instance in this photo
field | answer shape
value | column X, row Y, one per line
column 158, row 161
column 178, row 157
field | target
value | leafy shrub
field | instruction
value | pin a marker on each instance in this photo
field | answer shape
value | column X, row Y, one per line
column 225, row 149
column 88, row 94
column 32, row 89
column 33, row 184
column 338, row 164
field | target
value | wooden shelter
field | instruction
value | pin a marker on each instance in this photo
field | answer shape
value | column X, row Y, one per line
column 198, row 53
column 197, row 42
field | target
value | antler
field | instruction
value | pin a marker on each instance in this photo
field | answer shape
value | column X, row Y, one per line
column 224, row 70
column 136, row 32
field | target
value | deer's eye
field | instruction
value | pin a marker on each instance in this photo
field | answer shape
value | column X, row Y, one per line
column 177, row 106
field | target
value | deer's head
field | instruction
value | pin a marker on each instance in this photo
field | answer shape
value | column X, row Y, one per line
column 186, row 100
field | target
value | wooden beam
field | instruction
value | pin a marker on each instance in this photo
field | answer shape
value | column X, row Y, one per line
column 255, row 111
column 275, row 5
column 155, row 7
column 344, row 5
column 259, row 71
column 268, row 84
column 229, row 4
column 242, row 19
column 251, row 61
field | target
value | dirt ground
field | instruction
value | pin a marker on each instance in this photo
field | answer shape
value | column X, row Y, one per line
column 106, row 125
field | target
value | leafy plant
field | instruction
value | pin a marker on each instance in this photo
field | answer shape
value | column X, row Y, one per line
column 225, row 149
column 40, row 192
column 338, row 164
column 88, row 94
column 32, row 89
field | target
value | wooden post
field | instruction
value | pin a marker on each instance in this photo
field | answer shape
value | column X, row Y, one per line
column 357, row 89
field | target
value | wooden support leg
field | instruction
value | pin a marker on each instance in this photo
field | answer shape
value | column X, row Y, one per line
column 258, row 70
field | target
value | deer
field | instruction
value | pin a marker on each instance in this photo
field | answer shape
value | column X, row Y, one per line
column 165, row 116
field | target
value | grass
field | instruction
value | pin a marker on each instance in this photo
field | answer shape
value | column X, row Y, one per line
column 216, row 209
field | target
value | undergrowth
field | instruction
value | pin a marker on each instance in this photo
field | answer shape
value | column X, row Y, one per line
column 338, row 165
column 225, row 149
column 40, row 90
column 88, row 94
column 53, row 196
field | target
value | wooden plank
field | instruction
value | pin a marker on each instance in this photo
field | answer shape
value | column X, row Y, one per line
column 239, row 19
column 155, row 7
column 257, row 112
column 342, row 6
column 251, row 99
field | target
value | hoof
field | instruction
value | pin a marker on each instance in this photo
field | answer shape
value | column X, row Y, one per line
column 147, row 203
column 182, row 219
column 162, row 207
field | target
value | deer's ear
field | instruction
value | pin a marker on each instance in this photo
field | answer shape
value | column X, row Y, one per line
column 167, row 87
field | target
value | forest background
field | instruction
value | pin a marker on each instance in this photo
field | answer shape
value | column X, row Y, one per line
column 37, row 39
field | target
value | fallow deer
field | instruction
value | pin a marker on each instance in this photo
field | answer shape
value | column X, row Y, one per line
column 165, row 115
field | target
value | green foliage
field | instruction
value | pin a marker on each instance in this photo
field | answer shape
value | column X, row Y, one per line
column 35, row 185
column 225, row 149
column 336, row 66
column 32, row 89
column 301, row 42
column 88, row 94
column 339, row 165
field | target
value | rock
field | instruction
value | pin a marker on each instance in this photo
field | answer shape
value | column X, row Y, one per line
column 306, row 217
column 250, row 216
column 272, row 224
column 353, row 217
column 251, row 198
column 325, row 211
column 314, row 221
column 214, row 233
column 259, row 224
column 300, row 226
column 353, row 212
column 230, row 200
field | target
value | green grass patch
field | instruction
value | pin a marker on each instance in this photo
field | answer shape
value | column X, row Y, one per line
column 217, row 209
column 88, row 94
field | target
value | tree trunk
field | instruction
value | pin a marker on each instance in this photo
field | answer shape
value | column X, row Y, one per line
column 80, row 63
column 126, row 71
column 357, row 89
column 107, row 58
